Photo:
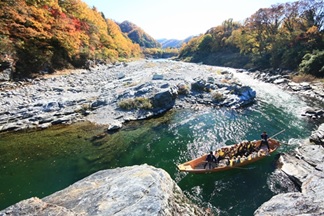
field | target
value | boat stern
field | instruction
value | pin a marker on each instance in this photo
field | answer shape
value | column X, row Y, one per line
column 184, row 167
column 273, row 144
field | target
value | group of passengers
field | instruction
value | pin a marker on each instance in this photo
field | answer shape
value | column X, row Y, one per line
column 237, row 153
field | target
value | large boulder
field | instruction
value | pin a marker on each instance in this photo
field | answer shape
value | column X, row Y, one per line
column 6, row 74
column 314, row 113
column 6, row 71
column 246, row 95
column 52, row 106
column 164, row 100
column 318, row 135
column 310, row 179
column 294, row 203
column 232, row 95
column 137, row 190
column 35, row 206
column 305, row 167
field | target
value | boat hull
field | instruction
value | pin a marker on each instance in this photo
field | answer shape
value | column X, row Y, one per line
column 197, row 165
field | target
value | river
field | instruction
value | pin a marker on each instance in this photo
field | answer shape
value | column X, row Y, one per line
column 38, row 163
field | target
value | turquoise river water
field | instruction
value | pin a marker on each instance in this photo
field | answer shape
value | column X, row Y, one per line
column 38, row 163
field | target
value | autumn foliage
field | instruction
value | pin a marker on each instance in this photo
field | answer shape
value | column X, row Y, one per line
column 44, row 35
column 288, row 35
column 139, row 36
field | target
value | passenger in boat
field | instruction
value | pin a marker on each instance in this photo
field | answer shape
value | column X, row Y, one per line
column 227, row 160
column 226, row 151
column 238, row 159
column 253, row 143
column 232, row 152
column 250, row 148
column 243, row 158
column 246, row 151
column 264, row 140
column 210, row 159
column 232, row 161
column 236, row 149
column 241, row 150
column 261, row 152
column 220, row 155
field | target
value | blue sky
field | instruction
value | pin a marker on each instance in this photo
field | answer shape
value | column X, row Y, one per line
column 178, row 19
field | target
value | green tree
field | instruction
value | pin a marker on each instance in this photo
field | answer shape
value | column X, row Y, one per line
column 205, row 44
column 313, row 63
column 279, row 36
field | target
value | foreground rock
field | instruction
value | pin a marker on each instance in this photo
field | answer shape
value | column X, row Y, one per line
column 6, row 69
column 114, row 94
column 138, row 190
column 305, row 167
column 317, row 136
column 35, row 206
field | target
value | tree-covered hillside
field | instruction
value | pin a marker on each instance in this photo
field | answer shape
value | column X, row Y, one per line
column 138, row 35
column 286, row 35
column 54, row 34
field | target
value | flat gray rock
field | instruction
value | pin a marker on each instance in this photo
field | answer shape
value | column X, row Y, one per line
column 137, row 190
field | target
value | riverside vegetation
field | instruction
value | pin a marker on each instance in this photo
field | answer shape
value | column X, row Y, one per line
column 44, row 36
column 288, row 35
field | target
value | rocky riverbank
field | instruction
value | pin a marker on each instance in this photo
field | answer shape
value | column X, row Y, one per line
column 114, row 94
column 305, row 167
column 311, row 91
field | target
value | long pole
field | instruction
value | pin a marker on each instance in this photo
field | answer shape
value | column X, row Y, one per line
column 278, row 133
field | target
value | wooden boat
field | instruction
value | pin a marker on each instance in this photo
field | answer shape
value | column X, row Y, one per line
column 197, row 165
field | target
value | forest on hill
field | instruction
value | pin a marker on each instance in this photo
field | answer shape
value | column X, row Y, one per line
column 288, row 36
column 55, row 34
column 48, row 35
column 138, row 35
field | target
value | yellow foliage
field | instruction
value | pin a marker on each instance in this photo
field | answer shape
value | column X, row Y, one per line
column 66, row 29
column 312, row 30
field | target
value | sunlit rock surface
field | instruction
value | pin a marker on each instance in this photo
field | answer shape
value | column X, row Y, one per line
column 313, row 90
column 137, row 190
column 305, row 167
column 35, row 206
column 318, row 135
column 95, row 94
column 294, row 203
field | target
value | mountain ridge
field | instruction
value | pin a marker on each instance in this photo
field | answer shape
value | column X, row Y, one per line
column 138, row 35
column 173, row 43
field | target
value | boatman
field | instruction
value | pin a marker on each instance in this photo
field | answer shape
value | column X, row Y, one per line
column 210, row 159
column 264, row 140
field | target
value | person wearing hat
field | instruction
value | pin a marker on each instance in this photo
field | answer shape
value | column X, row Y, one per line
column 210, row 159
column 264, row 140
